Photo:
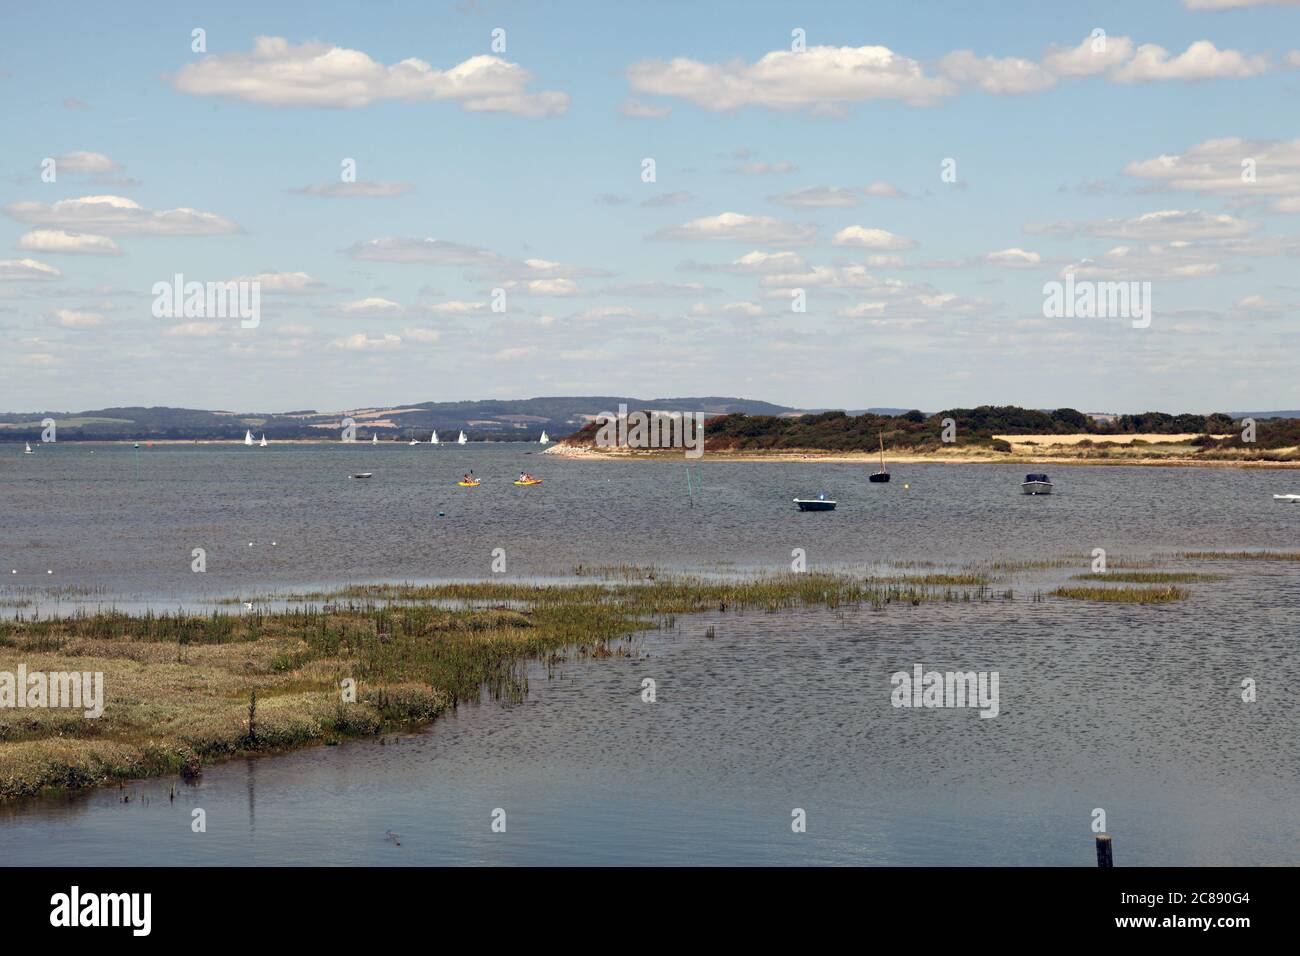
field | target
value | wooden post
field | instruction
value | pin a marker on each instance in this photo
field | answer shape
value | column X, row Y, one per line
column 1103, row 851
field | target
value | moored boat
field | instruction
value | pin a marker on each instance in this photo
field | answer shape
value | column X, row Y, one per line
column 820, row 503
column 1036, row 484
column 883, row 473
column 1294, row 499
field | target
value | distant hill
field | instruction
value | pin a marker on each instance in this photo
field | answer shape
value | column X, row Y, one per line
column 1259, row 416
column 489, row 420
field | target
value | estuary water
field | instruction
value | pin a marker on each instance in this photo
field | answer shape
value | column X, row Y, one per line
column 759, row 719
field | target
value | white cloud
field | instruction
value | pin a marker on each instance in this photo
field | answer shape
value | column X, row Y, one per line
column 871, row 238
column 762, row 168
column 84, row 162
column 365, row 190
column 1094, row 55
column 554, row 287
column 1218, row 167
column 21, row 270
column 61, row 241
column 364, row 343
column 667, row 199
column 753, row 263
column 70, row 319
column 1006, row 75
column 639, row 110
column 193, row 330
column 820, row 197
column 115, row 215
column 315, row 74
column 737, row 227
column 1013, row 258
column 456, row 307
column 372, row 307
column 1201, row 61
column 883, row 190
column 1170, row 224
column 427, row 336
column 817, row 78
column 297, row 283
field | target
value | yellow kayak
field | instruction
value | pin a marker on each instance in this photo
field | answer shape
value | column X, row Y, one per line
column 469, row 484
column 535, row 481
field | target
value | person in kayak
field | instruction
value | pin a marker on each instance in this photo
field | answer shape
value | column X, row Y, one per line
column 525, row 476
column 469, row 478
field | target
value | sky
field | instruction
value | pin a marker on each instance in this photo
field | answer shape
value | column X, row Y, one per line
column 814, row 204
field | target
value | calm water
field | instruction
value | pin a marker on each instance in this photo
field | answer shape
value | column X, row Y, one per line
column 1135, row 710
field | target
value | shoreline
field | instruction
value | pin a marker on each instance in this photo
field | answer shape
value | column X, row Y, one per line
column 589, row 453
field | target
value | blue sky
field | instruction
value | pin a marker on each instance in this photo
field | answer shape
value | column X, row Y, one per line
column 775, row 170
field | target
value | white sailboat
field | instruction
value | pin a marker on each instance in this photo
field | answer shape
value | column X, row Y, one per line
column 544, row 439
column 434, row 439
column 248, row 438
column 374, row 439
column 27, row 450
column 262, row 443
column 462, row 439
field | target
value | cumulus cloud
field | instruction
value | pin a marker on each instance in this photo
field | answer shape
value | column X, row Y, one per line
column 361, row 342
column 737, row 227
column 1167, row 224
column 372, row 308
column 639, row 110
column 116, row 215
column 22, row 270
column 816, row 78
column 871, row 238
column 71, row 319
column 314, row 74
column 820, row 197
column 1094, row 55
column 73, row 243
column 1201, row 61
column 287, row 283
column 1230, row 167
column 752, row 263
column 84, row 162
column 366, row 190
column 667, row 199
column 1005, row 75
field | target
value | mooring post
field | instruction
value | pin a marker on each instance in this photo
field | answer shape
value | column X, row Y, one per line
column 1103, row 851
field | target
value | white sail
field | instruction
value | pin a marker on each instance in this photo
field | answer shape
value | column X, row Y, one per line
column 462, row 439
column 28, row 449
column 374, row 439
column 434, row 439
column 544, row 438
column 248, row 438
column 262, row 443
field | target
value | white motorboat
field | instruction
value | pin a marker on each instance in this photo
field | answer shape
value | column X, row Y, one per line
column 1294, row 499
column 1036, row 484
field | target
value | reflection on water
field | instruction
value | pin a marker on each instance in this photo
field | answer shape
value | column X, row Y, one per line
column 1132, row 709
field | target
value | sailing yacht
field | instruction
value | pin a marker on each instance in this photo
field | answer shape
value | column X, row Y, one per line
column 434, row 439
column 544, row 440
column 374, row 439
column 462, row 439
column 883, row 473
column 248, row 438
column 262, row 443
column 27, row 450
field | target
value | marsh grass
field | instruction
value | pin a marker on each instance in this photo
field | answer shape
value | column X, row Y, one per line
column 1240, row 555
column 1149, row 577
column 1123, row 595
column 183, row 689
